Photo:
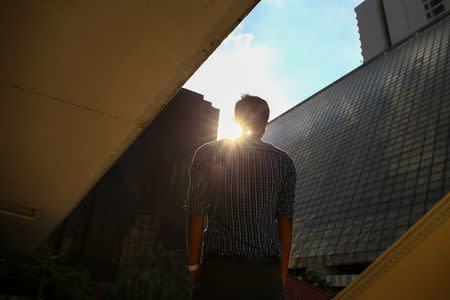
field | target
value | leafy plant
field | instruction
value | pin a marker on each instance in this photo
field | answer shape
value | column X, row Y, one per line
column 156, row 273
column 38, row 275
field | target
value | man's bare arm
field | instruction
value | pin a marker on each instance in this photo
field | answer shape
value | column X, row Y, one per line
column 285, row 232
column 194, row 236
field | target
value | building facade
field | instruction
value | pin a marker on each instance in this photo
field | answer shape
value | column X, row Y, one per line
column 372, row 155
column 386, row 23
column 139, row 201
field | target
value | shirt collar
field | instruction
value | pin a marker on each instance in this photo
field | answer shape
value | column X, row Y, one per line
column 250, row 137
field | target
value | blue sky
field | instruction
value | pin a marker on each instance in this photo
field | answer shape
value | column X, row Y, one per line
column 283, row 51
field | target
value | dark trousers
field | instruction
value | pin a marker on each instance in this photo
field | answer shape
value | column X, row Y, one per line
column 222, row 279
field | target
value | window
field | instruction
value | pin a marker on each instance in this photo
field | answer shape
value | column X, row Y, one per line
column 435, row 6
column 438, row 10
column 433, row 3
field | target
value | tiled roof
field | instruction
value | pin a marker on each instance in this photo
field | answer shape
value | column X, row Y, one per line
column 371, row 150
column 299, row 289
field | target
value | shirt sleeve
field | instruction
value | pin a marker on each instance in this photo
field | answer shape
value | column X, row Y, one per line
column 195, row 201
column 286, row 201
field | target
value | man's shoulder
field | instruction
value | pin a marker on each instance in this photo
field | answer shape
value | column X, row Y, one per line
column 271, row 147
column 284, row 157
column 217, row 145
column 212, row 145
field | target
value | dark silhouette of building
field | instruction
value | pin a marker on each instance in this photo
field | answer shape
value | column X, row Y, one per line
column 372, row 155
column 139, row 200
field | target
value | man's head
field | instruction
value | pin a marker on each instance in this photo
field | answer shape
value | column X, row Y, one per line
column 252, row 113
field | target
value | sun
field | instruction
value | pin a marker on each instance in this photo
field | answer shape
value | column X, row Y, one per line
column 229, row 129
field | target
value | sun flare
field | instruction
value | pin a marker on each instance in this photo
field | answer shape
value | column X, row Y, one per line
column 230, row 130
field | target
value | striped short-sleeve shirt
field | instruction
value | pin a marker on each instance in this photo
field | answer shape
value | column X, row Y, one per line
column 243, row 187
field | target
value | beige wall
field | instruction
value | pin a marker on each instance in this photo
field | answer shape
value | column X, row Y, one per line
column 417, row 266
column 401, row 18
column 79, row 81
column 371, row 27
column 404, row 17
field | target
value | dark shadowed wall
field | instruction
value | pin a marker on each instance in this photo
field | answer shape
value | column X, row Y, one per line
column 148, row 184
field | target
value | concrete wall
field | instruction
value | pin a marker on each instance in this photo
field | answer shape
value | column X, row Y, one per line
column 385, row 23
column 79, row 81
column 372, row 30
column 404, row 17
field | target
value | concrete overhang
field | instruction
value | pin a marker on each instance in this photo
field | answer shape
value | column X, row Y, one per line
column 79, row 80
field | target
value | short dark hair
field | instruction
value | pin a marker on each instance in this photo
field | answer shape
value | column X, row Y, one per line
column 252, row 111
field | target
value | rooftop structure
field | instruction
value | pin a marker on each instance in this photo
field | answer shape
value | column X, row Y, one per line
column 385, row 23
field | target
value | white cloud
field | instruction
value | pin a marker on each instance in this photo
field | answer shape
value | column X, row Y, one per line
column 237, row 67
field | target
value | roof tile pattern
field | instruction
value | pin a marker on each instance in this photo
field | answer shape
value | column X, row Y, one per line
column 371, row 150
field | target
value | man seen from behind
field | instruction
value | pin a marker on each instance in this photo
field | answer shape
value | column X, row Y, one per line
column 240, row 208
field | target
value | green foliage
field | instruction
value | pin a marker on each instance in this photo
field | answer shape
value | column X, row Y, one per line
column 38, row 275
column 156, row 273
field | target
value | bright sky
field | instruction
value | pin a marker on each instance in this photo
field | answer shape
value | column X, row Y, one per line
column 283, row 51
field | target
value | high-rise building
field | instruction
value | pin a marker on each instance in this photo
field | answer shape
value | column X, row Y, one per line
column 138, row 202
column 371, row 150
column 386, row 23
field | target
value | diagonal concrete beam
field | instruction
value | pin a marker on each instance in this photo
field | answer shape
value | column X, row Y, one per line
column 79, row 81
